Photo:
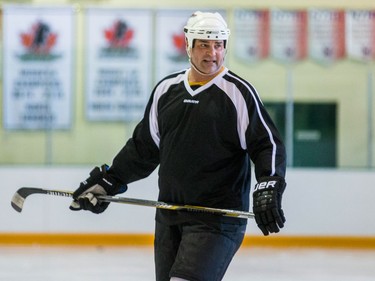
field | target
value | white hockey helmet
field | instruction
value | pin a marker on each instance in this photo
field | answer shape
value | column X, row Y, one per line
column 206, row 26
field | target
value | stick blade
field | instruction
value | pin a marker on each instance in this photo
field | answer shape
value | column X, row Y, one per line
column 17, row 202
column 19, row 197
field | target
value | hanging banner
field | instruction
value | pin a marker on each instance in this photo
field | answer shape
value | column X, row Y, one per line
column 170, row 43
column 118, row 63
column 251, row 34
column 326, row 35
column 288, row 35
column 38, row 64
column 360, row 34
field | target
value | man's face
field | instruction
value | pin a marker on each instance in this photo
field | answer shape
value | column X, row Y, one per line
column 208, row 55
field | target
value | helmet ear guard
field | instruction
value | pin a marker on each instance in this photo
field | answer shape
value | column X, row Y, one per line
column 205, row 26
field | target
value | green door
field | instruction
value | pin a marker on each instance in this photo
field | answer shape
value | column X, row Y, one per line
column 314, row 134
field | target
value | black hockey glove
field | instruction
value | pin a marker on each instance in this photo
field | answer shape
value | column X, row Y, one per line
column 267, row 204
column 99, row 183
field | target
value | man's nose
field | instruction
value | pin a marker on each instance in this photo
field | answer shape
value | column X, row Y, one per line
column 211, row 50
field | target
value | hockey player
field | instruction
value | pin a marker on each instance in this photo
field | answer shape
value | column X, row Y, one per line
column 201, row 126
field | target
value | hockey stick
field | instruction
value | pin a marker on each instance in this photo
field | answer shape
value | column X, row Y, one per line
column 20, row 196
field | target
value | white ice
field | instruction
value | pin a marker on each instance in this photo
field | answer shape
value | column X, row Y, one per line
column 35, row 263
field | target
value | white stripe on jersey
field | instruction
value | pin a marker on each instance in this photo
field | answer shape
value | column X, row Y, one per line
column 161, row 89
column 243, row 117
column 239, row 103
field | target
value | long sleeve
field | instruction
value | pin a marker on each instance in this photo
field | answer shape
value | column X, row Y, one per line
column 265, row 146
column 258, row 134
column 140, row 155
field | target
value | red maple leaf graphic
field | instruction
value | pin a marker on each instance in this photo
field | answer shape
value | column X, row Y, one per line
column 51, row 40
column 26, row 39
column 119, row 35
column 39, row 40
column 179, row 42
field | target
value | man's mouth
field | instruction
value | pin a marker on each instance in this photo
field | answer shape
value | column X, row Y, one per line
column 209, row 61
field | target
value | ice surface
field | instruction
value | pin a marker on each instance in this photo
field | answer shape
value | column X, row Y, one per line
column 35, row 263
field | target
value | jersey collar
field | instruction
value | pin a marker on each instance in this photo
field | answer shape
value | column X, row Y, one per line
column 205, row 85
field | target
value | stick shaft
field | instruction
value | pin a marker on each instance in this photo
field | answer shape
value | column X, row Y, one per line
column 22, row 193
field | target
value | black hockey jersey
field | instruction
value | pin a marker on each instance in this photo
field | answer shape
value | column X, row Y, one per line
column 202, row 139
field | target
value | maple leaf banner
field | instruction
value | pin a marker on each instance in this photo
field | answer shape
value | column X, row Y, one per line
column 326, row 35
column 37, row 77
column 118, row 63
column 288, row 35
column 251, row 34
column 360, row 34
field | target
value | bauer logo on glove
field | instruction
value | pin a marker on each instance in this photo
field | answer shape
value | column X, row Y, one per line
column 265, row 184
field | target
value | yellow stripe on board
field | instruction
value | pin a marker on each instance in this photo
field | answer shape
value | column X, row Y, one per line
column 349, row 242
column 104, row 239
column 85, row 239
